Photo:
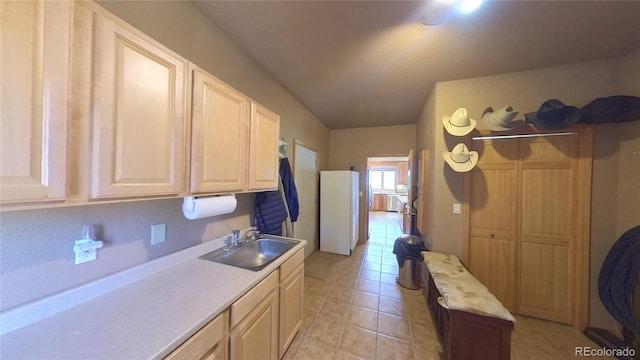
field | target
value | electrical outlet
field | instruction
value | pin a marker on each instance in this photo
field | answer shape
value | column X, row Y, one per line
column 158, row 233
column 85, row 256
column 457, row 209
column 85, row 250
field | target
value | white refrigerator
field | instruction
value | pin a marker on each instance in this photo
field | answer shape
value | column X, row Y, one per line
column 339, row 211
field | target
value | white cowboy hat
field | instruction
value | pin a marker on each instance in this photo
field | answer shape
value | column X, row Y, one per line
column 459, row 124
column 499, row 120
column 460, row 158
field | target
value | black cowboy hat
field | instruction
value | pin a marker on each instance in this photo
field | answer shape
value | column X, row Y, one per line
column 618, row 108
column 554, row 115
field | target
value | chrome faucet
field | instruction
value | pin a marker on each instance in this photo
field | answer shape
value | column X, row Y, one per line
column 249, row 234
column 236, row 237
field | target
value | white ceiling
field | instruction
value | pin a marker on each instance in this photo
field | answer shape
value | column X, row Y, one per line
column 373, row 63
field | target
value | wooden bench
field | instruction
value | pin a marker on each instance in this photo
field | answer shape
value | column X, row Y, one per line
column 471, row 323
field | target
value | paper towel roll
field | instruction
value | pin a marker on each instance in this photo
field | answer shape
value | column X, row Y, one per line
column 198, row 208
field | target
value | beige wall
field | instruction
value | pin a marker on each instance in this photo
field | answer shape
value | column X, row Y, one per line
column 351, row 147
column 36, row 256
column 616, row 175
column 425, row 133
column 577, row 85
column 525, row 91
column 629, row 176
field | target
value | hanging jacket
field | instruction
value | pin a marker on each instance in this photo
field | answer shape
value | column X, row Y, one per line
column 619, row 277
column 290, row 191
column 270, row 212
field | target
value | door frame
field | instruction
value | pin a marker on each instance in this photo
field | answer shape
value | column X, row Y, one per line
column 366, row 183
column 316, row 233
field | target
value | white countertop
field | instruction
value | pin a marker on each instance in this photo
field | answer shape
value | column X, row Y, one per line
column 146, row 319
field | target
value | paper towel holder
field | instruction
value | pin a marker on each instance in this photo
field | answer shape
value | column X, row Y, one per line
column 190, row 204
column 200, row 207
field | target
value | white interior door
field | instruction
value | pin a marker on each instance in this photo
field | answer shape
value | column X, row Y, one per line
column 306, row 178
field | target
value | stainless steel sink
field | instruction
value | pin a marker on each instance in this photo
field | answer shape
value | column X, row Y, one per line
column 253, row 254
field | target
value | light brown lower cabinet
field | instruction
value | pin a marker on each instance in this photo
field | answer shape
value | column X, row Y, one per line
column 259, row 325
column 209, row 343
column 291, row 300
column 379, row 202
column 254, row 321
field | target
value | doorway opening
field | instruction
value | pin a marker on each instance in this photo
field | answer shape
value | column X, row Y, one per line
column 388, row 191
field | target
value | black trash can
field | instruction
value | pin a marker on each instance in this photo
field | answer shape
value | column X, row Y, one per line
column 408, row 250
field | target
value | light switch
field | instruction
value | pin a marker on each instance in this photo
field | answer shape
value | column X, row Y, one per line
column 457, row 209
column 158, row 233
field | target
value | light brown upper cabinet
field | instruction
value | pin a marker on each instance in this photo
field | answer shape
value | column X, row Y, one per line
column 263, row 148
column 93, row 109
column 403, row 172
column 234, row 141
column 528, row 206
column 219, row 136
column 138, row 114
column 34, row 73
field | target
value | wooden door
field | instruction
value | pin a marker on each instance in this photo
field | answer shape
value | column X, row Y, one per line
column 547, row 227
column 421, row 211
column 493, row 220
column 291, row 307
column 138, row 115
column 410, row 210
column 528, row 224
column 263, row 148
column 34, row 73
column 256, row 337
column 219, row 136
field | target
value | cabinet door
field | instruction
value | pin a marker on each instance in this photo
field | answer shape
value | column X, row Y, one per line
column 376, row 203
column 291, row 307
column 263, row 148
column 403, row 172
column 34, row 73
column 219, row 136
column 208, row 343
column 217, row 354
column 138, row 115
column 256, row 337
column 379, row 202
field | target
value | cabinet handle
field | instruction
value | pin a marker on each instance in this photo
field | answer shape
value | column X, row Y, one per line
column 493, row 236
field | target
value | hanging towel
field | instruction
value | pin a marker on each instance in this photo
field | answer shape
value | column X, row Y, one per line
column 290, row 191
column 270, row 212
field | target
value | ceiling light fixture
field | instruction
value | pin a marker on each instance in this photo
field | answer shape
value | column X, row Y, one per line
column 469, row 6
column 438, row 11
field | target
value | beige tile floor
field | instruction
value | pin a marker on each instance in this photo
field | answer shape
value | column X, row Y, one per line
column 353, row 309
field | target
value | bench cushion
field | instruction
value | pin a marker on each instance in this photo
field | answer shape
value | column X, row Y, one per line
column 460, row 290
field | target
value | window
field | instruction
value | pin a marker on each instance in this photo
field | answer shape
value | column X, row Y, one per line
column 382, row 180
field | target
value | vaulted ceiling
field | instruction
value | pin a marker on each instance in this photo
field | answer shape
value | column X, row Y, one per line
column 373, row 63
